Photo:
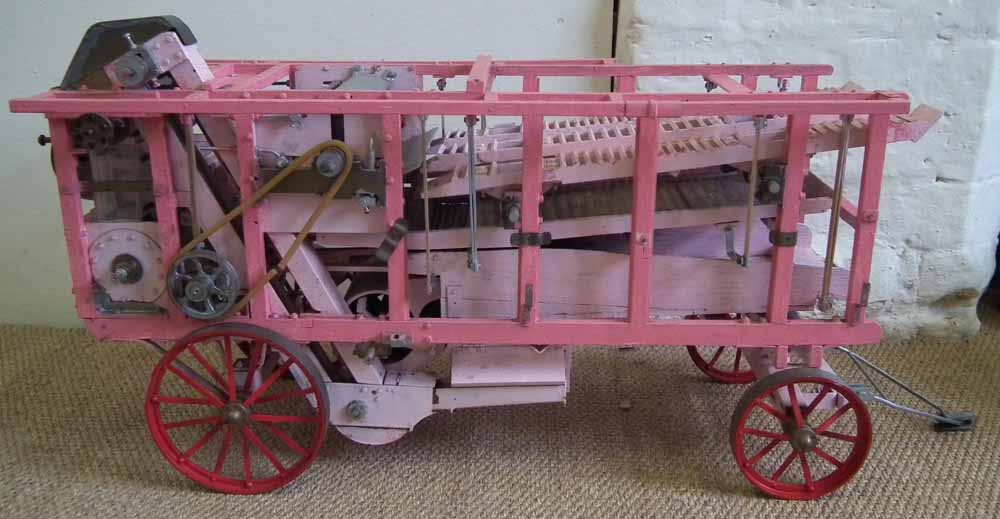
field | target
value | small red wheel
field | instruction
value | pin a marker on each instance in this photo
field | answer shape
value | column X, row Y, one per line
column 725, row 364
column 800, row 434
column 237, row 423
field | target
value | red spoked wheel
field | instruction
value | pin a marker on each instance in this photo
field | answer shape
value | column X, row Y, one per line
column 800, row 434
column 725, row 364
column 236, row 422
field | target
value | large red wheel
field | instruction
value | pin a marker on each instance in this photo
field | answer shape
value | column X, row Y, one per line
column 725, row 364
column 800, row 434
column 235, row 422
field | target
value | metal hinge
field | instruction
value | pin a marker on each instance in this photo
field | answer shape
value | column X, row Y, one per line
column 784, row 239
column 530, row 239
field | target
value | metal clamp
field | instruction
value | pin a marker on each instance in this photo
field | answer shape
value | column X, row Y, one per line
column 530, row 239
column 784, row 239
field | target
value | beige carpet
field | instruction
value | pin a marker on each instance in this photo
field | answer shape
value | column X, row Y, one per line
column 73, row 443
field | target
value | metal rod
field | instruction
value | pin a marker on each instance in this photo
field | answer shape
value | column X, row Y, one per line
column 825, row 303
column 192, row 166
column 759, row 122
column 892, row 379
column 427, row 203
column 470, row 135
column 868, row 377
column 917, row 412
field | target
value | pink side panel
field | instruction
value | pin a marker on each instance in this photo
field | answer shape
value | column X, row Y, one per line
column 253, row 238
column 788, row 218
column 77, row 241
column 392, row 148
column 868, row 200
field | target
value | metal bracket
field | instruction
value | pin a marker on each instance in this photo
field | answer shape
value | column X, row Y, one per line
column 730, row 236
column 530, row 239
column 392, row 238
column 784, row 239
column 105, row 305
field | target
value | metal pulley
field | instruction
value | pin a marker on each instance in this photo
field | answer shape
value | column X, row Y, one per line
column 96, row 132
column 203, row 284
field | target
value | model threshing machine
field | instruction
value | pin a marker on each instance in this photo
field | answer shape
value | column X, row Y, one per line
column 307, row 244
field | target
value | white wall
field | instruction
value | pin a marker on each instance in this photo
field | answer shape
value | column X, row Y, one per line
column 940, row 210
column 38, row 38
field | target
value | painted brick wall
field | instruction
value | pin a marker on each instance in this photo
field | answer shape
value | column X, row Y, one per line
column 940, row 210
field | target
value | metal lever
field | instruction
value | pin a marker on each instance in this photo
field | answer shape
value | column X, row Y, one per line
column 825, row 303
column 759, row 122
column 427, row 202
column 470, row 145
column 943, row 420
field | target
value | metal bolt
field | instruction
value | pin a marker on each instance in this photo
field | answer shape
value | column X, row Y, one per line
column 356, row 409
column 43, row 140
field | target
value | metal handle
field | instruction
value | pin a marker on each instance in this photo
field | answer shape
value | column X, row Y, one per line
column 470, row 145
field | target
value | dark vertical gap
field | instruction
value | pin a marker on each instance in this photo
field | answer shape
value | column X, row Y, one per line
column 614, row 35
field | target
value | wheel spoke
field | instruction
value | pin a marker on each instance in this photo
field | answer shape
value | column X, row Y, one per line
column 793, row 402
column 806, row 472
column 202, row 442
column 264, row 450
column 230, row 367
column 285, row 395
column 784, row 466
column 281, row 435
column 192, row 422
column 763, row 452
column 275, row 375
column 718, row 354
column 184, row 401
column 816, row 401
column 220, row 460
column 253, row 364
column 270, row 418
column 247, row 468
column 838, row 436
column 771, row 410
column 832, row 419
column 212, row 372
column 829, row 458
column 765, row 434
column 736, row 363
column 198, row 386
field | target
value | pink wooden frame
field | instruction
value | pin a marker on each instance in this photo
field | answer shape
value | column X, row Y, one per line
column 237, row 93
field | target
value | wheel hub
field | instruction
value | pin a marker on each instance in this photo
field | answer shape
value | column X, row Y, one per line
column 235, row 414
column 196, row 291
column 803, row 439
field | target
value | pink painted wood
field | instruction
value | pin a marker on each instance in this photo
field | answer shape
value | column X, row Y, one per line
column 253, row 237
column 864, row 233
column 797, row 165
column 529, row 261
column 77, row 241
column 647, row 141
column 392, row 150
